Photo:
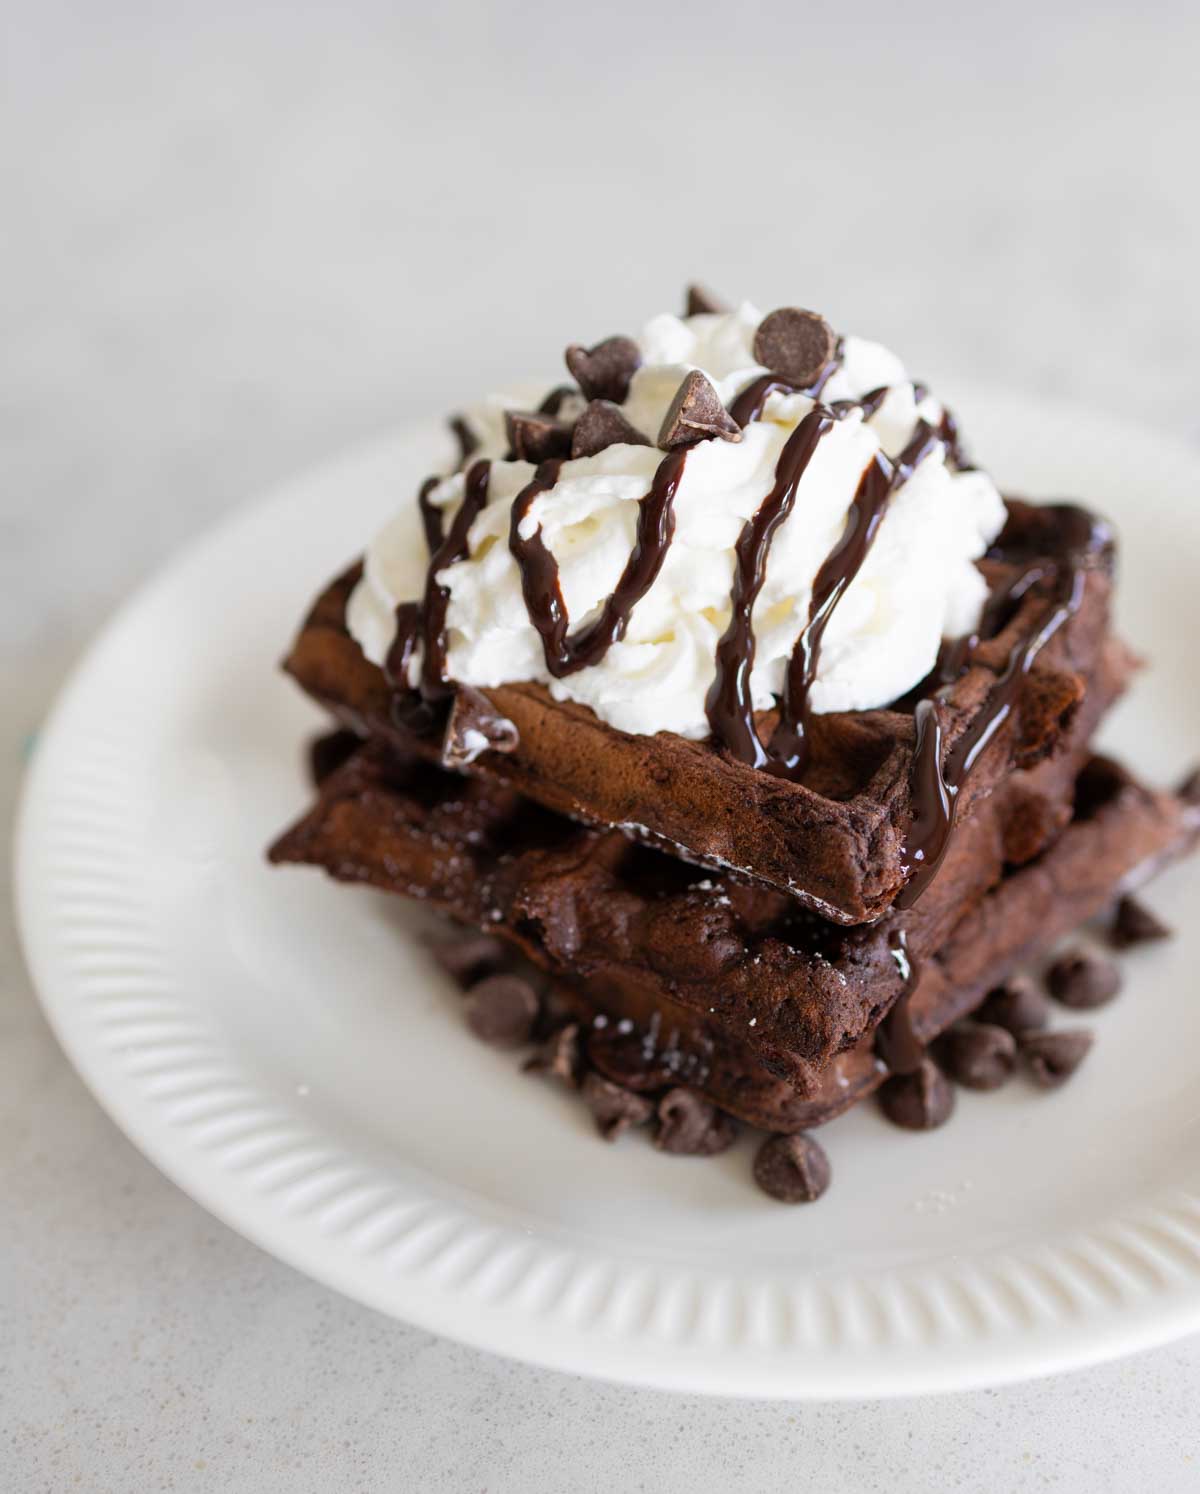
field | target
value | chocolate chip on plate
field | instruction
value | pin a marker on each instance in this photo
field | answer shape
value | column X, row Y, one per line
column 691, row 1126
column 1135, row 924
column 795, row 344
column 474, row 726
column 470, row 957
column 604, row 371
column 1189, row 789
column 793, row 1169
column 1017, row 1005
column 1052, row 1057
column 701, row 302
column 615, row 1108
column 501, row 1009
column 978, row 1054
column 695, row 414
column 560, row 1056
column 535, row 437
column 327, row 753
column 602, row 425
column 1082, row 981
column 920, row 1101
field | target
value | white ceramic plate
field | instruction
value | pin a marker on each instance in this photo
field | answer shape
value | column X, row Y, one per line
column 284, row 1049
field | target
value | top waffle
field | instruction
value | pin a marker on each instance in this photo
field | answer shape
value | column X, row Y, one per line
column 867, row 818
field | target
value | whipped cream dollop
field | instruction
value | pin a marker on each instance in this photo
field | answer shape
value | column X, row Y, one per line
column 917, row 584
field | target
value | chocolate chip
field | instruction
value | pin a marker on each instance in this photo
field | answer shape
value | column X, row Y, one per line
column 501, row 1009
column 470, row 957
column 793, row 1169
column 691, row 1126
column 701, row 301
column 604, row 372
column 1135, row 924
column 920, row 1101
column 614, row 1108
column 468, row 441
column 327, row 753
column 475, row 726
column 560, row 1056
column 795, row 344
column 602, row 425
column 978, row 1055
column 696, row 413
column 535, row 437
column 1052, row 1057
column 1082, row 981
column 1018, row 1006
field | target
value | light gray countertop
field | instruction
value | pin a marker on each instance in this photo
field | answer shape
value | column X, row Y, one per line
column 239, row 238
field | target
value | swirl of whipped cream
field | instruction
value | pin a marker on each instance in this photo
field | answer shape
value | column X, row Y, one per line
column 917, row 584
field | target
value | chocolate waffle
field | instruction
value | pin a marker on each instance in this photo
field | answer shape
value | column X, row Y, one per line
column 869, row 818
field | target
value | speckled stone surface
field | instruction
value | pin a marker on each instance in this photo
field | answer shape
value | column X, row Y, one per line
column 239, row 238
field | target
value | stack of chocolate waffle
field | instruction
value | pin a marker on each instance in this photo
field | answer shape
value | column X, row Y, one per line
column 742, row 965
column 730, row 929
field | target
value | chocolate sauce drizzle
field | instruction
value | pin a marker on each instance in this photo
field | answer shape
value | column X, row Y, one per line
column 997, row 610
column 468, row 441
column 431, row 516
column 936, row 785
column 428, row 621
column 748, row 406
column 566, row 652
column 948, row 431
column 896, row 1042
column 729, row 705
column 789, row 743
column 870, row 404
